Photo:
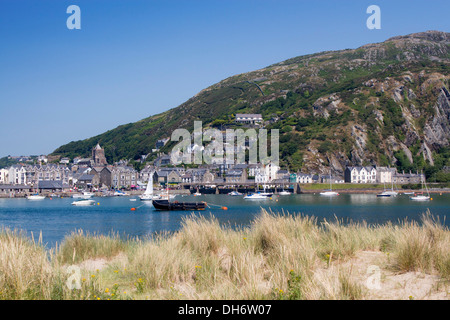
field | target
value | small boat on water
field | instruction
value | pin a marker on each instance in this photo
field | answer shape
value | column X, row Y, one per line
column 388, row 193
column 420, row 196
column 175, row 205
column 257, row 196
column 197, row 194
column 148, row 194
column 120, row 193
column 85, row 202
column 36, row 196
column 234, row 193
column 329, row 193
column 284, row 193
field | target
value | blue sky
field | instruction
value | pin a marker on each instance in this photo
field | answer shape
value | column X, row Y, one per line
column 132, row 59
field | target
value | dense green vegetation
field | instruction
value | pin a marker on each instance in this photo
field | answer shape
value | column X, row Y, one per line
column 295, row 97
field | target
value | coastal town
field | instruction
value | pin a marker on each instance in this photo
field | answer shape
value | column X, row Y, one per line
column 95, row 174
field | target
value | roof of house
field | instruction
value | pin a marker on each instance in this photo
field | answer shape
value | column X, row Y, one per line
column 51, row 184
column 248, row 115
column 86, row 177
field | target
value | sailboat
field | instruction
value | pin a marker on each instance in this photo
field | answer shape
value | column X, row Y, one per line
column 420, row 196
column 388, row 193
column 148, row 193
column 329, row 193
column 36, row 196
column 164, row 203
column 284, row 193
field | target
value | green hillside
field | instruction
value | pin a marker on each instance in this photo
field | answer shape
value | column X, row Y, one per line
column 386, row 103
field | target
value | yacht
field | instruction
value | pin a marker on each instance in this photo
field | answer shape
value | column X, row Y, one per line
column 329, row 193
column 256, row 196
column 148, row 194
column 36, row 196
column 84, row 202
column 420, row 196
column 234, row 193
column 284, row 193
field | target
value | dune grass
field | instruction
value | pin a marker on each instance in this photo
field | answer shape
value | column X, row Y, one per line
column 279, row 256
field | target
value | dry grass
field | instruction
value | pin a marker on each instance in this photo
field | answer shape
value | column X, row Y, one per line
column 280, row 256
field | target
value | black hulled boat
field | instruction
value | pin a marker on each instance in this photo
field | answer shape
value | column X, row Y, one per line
column 175, row 205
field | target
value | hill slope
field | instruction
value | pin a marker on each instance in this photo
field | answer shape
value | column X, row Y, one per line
column 386, row 103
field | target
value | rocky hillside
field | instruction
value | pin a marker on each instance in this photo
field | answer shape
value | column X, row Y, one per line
column 385, row 103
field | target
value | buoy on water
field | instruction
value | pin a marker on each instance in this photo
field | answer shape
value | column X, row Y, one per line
column 133, row 209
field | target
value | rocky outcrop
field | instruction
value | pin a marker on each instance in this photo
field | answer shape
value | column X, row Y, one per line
column 437, row 131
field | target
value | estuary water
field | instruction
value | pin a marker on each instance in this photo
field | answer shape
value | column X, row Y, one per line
column 56, row 218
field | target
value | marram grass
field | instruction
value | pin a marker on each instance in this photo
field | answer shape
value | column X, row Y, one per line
column 279, row 256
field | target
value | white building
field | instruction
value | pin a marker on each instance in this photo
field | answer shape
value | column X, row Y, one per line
column 4, row 176
column 17, row 174
column 304, row 178
column 248, row 118
column 384, row 174
column 360, row 175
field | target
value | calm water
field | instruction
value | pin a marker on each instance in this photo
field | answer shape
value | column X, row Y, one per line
column 57, row 218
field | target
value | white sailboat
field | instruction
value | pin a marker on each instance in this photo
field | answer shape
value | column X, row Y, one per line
column 148, row 194
column 284, row 193
column 84, row 202
column 329, row 193
column 420, row 196
column 36, row 196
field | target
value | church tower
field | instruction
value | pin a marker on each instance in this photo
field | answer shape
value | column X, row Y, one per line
column 98, row 155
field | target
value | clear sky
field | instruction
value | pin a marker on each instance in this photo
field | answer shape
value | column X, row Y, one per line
column 132, row 59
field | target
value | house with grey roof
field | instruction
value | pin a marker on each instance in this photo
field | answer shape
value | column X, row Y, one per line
column 250, row 118
column 360, row 174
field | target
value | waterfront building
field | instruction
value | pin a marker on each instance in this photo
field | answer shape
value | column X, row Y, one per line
column 4, row 176
column 384, row 174
column 123, row 177
column 17, row 174
column 304, row 178
column 360, row 174
column 405, row 178
column 103, row 176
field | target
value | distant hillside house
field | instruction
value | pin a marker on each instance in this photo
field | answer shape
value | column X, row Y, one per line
column 249, row 118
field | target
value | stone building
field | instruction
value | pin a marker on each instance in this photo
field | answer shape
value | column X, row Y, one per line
column 98, row 155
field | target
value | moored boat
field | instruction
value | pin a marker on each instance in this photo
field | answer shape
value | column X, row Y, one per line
column 234, row 193
column 420, row 196
column 329, row 193
column 35, row 197
column 85, row 202
column 175, row 205
column 257, row 196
